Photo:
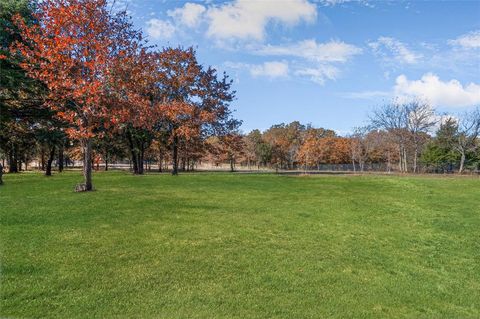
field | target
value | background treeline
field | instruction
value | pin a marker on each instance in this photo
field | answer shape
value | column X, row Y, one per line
column 436, row 144
column 102, row 96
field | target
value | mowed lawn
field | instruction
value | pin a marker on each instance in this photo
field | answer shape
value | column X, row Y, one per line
column 213, row 245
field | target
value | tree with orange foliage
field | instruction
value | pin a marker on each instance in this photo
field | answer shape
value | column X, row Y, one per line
column 71, row 50
column 194, row 101
column 310, row 151
column 232, row 147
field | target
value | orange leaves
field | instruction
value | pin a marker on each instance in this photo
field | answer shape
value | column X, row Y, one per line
column 70, row 50
column 331, row 150
column 101, row 76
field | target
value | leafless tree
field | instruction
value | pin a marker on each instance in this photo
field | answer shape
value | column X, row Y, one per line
column 468, row 134
column 360, row 147
column 408, row 123
column 393, row 118
column 420, row 120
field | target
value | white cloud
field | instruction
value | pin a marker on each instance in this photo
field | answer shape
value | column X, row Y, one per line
column 246, row 19
column 159, row 29
column 337, row 2
column 367, row 95
column 390, row 48
column 449, row 94
column 319, row 74
column 468, row 41
column 316, row 61
column 273, row 69
column 270, row 69
column 332, row 51
column 189, row 15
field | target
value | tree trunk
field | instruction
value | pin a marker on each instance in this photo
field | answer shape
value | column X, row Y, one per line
column 184, row 163
column 141, row 159
column 133, row 153
column 87, row 163
column 12, row 163
column 175, row 156
column 232, row 161
column 60, row 159
column 106, row 163
column 1, row 173
column 48, row 171
column 415, row 158
column 462, row 163
column 160, row 159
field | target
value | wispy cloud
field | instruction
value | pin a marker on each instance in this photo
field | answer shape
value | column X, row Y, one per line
column 316, row 61
column 269, row 69
column 367, row 95
column 391, row 49
column 467, row 41
column 332, row 51
column 320, row 73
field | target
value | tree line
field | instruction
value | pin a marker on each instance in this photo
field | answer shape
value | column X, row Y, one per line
column 406, row 137
column 78, row 82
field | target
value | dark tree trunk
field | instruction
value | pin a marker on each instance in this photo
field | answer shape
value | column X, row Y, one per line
column 1, row 174
column 12, row 163
column 183, row 164
column 175, row 156
column 61, row 159
column 106, row 163
column 48, row 171
column 141, row 159
column 133, row 153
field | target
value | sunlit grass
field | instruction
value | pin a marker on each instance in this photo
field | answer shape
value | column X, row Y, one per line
column 240, row 246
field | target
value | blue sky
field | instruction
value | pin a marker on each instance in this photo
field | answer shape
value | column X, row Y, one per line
column 327, row 62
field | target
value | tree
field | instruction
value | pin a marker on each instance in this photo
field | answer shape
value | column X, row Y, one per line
column 195, row 101
column 440, row 152
column 468, row 134
column 256, row 149
column 70, row 51
column 420, row 120
column 21, row 97
column 405, row 122
column 232, row 146
column 360, row 147
column 50, row 137
column 109, row 146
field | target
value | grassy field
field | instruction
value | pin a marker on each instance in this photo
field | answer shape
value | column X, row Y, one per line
column 240, row 246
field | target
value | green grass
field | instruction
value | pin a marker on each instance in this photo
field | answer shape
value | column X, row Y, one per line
column 240, row 246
